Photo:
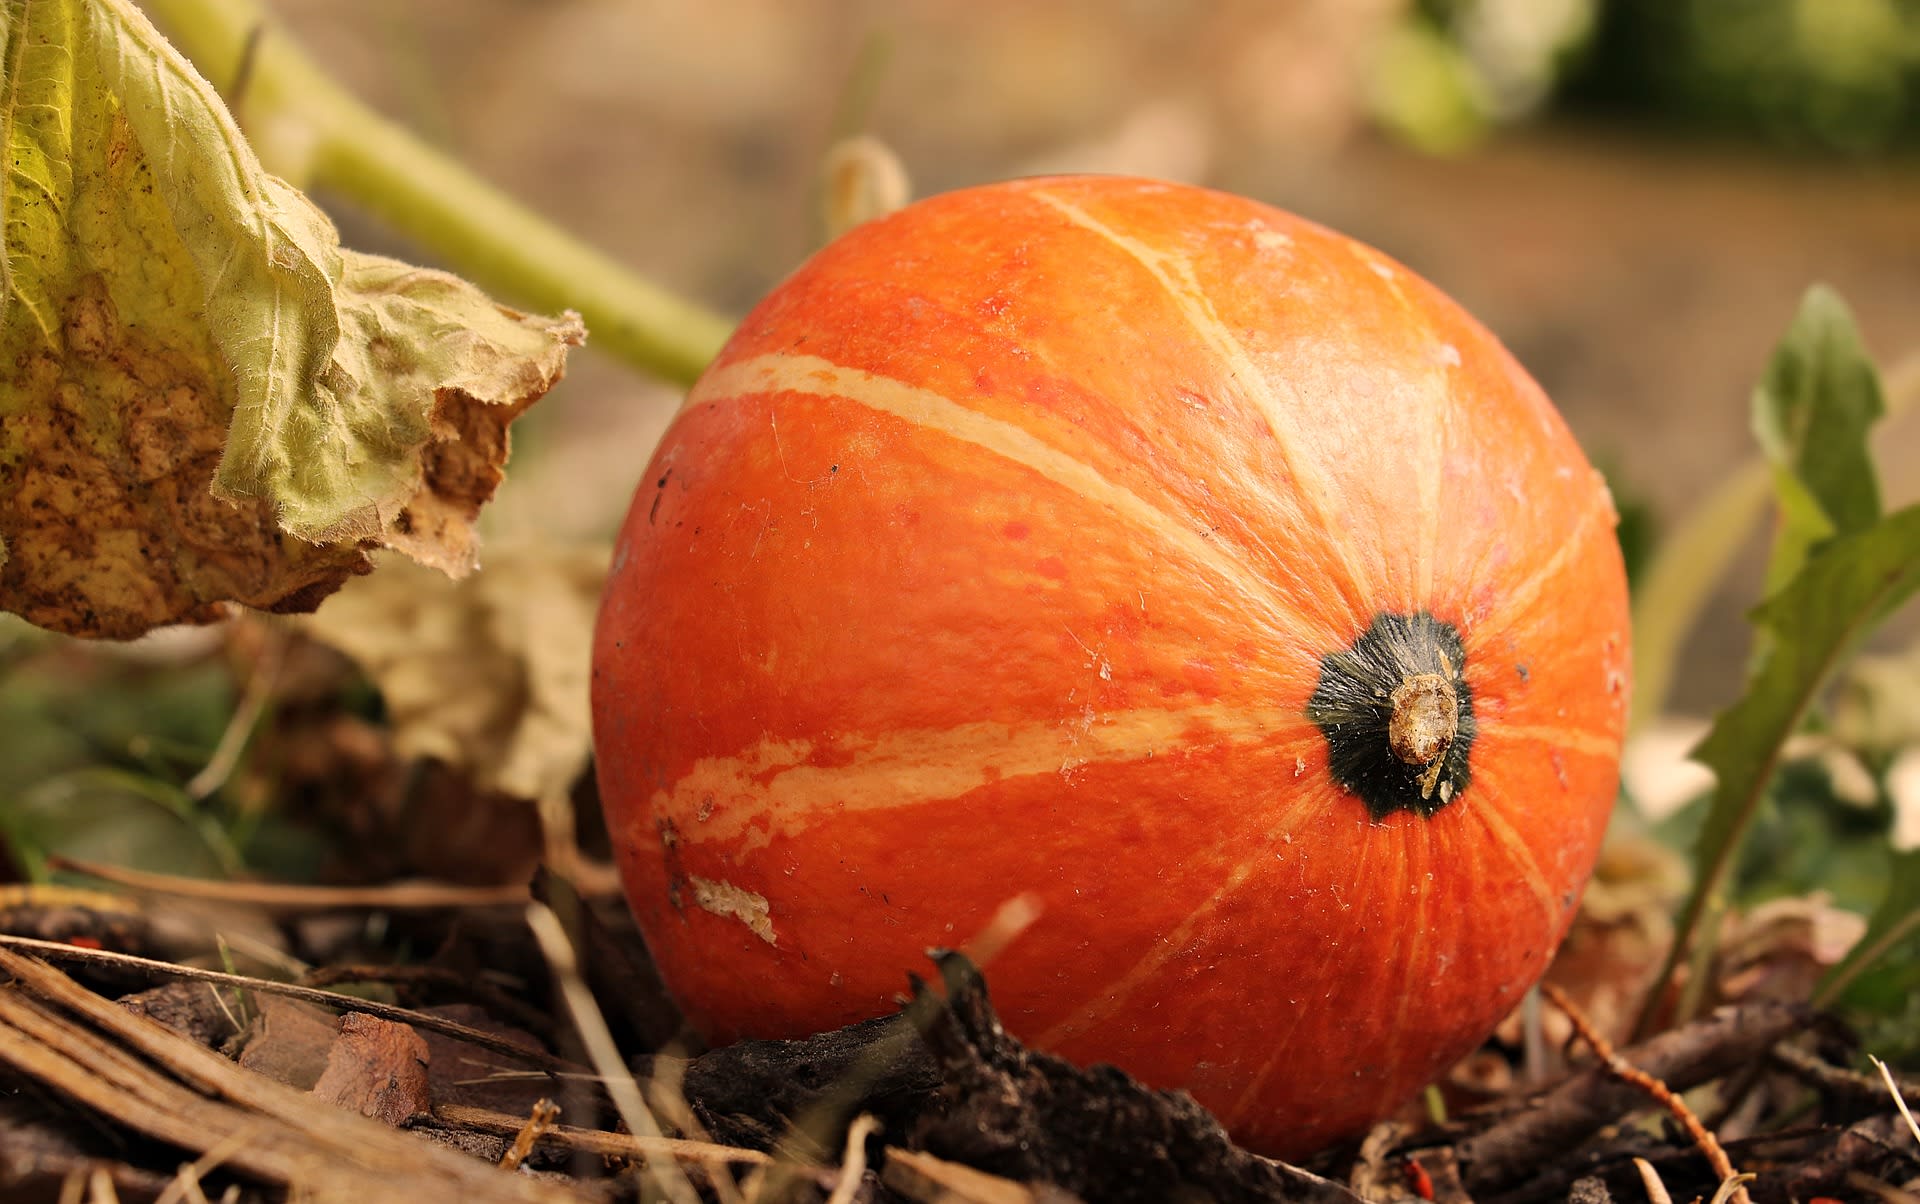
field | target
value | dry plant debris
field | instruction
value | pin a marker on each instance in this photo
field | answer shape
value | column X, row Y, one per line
column 487, row 674
column 331, row 1092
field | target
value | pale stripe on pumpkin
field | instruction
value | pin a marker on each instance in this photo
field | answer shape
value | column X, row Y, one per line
column 1252, row 383
column 1435, row 417
column 1146, row 972
column 1513, row 599
column 1492, row 816
column 770, row 789
column 1410, row 992
column 811, row 375
column 1296, row 983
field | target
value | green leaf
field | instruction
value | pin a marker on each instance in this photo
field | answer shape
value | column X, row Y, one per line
column 1837, row 598
column 1897, row 917
column 111, row 815
column 1811, row 413
column 203, row 398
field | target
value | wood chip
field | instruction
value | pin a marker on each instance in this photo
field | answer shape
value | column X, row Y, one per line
column 377, row 1068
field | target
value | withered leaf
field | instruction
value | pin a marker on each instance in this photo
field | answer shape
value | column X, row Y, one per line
column 204, row 399
column 487, row 674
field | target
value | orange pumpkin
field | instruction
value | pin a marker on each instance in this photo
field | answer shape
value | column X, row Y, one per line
column 1194, row 568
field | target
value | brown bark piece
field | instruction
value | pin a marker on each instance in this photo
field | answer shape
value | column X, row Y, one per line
column 289, row 1041
column 146, row 1078
column 191, row 1009
column 377, row 1068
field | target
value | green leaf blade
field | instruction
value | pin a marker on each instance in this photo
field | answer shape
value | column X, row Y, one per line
column 1838, row 597
column 1812, row 413
column 1897, row 917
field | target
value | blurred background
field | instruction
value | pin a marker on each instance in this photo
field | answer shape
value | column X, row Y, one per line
column 1632, row 193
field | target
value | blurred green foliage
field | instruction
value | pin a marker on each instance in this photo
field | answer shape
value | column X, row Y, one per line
column 1830, row 75
column 95, row 744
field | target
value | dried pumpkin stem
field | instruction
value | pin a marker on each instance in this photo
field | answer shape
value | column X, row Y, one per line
column 1425, row 715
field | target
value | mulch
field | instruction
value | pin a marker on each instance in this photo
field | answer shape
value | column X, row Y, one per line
column 469, row 1074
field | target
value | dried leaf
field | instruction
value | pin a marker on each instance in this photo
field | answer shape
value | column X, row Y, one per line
column 1780, row 949
column 207, row 400
column 487, row 674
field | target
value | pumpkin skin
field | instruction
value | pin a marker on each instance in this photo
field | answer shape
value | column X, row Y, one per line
column 1010, row 546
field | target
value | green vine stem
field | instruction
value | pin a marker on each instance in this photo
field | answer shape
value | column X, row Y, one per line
column 308, row 129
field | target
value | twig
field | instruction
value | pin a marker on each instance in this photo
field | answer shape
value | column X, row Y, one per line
column 1656, row 1190
column 1603, row 1049
column 100, row 1187
column 399, row 896
column 1861, row 1181
column 1899, row 1101
column 185, row 1188
column 597, row 1141
column 186, row 1181
column 539, row 1123
column 55, row 951
column 853, row 1164
column 666, row 1077
column 1682, row 1058
column 149, row 1078
column 1855, row 1088
column 226, row 1011
column 921, row 1176
column 601, row 1050
column 475, row 988
column 1732, row 1189
column 1012, row 918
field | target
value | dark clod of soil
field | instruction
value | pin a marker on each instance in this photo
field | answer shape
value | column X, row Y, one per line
column 1032, row 1117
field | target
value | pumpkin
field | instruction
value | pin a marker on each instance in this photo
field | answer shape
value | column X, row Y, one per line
column 1193, row 569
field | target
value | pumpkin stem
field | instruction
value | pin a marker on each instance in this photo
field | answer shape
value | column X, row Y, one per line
column 1425, row 714
column 1397, row 714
